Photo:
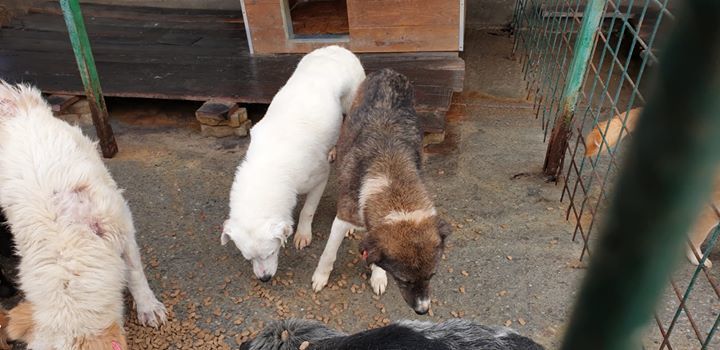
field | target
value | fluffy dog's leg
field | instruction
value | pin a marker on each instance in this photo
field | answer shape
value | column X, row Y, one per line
column 303, row 235
column 150, row 311
column 704, row 224
column 325, row 265
column 20, row 322
column 378, row 279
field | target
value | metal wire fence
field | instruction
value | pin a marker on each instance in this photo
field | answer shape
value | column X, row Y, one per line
column 614, row 83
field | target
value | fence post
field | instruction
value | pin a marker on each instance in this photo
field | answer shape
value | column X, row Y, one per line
column 667, row 176
column 578, row 66
column 88, row 73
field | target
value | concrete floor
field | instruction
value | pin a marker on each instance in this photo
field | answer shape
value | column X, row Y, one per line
column 510, row 259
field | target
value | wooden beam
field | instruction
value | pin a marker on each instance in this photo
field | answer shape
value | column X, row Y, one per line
column 59, row 103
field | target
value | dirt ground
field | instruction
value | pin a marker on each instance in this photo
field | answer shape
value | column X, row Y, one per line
column 510, row 260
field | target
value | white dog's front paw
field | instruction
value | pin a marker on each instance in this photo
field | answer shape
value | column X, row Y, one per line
column 319, row 280
column 151, row 313
column 332, row 155
column 378, row 281
column 695, row 261
column 302, row 240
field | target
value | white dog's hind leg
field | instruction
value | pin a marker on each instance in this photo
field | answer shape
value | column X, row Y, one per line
column 325, row 265
column 303, row 235
column 150, row 311
column 378, row 279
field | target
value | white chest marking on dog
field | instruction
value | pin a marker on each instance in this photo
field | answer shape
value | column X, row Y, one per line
column 371, row 186
column 415, row 215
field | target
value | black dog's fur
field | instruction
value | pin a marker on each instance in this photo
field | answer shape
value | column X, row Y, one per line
column 7, row 288
column 412, row 335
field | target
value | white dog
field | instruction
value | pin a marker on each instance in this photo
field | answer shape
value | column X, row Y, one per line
column 73, row 231
column 289, row 155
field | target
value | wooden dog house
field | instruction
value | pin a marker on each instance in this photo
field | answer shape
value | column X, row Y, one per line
column 299, row 26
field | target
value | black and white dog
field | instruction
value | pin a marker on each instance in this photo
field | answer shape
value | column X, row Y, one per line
column 456, row 334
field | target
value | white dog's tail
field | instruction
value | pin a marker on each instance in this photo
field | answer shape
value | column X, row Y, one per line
column 19, row 99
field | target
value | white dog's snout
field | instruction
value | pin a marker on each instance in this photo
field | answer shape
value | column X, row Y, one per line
column 422, row 305
column 265, row 269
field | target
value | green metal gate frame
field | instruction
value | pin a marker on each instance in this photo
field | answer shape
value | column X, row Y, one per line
column 86, row 65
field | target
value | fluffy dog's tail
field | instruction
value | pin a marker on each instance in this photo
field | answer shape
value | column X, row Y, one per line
column 19, row 99
column 20, row 322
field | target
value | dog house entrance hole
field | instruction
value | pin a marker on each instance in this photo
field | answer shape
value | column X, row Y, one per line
column 317, row 19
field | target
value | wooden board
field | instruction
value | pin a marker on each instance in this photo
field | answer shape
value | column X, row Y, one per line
column 146, row 13
column 374, row 26
column 200, row 62
column 403, row 13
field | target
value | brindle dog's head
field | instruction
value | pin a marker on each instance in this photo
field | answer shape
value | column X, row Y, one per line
column 410, row 252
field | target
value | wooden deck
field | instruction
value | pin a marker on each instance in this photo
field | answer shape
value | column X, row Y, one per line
column 188, row 55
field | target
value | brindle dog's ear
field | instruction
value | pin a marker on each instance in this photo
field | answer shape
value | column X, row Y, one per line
column 370, row 250
column 444, row 229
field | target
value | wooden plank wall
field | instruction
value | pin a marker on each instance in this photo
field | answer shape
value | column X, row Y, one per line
column 375, row 26
column 404, row 25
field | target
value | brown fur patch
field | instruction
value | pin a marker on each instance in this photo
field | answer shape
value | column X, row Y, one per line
column 112, row 338
column 20, row 322
column 413, row 244
column 3, row 330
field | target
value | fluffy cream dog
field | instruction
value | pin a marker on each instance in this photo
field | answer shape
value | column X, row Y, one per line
column 73, row 231
column 289, row 156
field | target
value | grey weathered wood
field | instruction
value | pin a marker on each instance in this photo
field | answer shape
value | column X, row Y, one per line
column 216, row 112
column 59, row 103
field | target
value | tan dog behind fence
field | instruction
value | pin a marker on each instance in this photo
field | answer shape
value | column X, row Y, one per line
column 612, row 130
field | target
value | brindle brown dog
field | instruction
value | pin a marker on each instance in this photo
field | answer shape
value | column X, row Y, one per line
column 379, row 155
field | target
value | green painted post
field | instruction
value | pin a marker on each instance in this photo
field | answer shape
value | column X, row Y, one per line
column 576, row 74
column 88, row 73
column 666, row 178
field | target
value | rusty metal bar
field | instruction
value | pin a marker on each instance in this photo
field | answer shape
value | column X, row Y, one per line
column 578, row 66
column 88, row 73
